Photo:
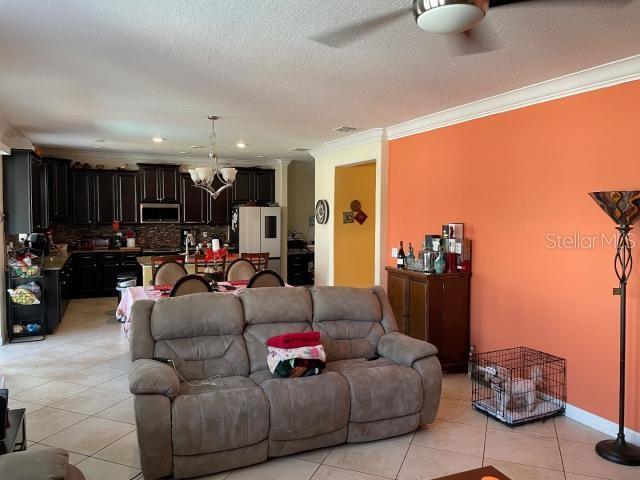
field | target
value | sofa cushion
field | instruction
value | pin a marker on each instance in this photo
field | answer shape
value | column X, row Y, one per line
column 349, row 320
column 233, row 413
column 276, row 305
column 202, row 333
column 306, row 407
column 341, row 366
column 383, row 391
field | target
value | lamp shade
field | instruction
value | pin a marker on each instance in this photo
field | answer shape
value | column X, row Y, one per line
column 194, row 175
column 623, row 207
column 229, row 174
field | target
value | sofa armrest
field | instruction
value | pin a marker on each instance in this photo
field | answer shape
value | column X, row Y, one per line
column 36, row 464
column 152, row 377
column 403, row 349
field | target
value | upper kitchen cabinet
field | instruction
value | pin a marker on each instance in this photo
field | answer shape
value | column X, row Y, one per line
column 244, row 186
column 193, row 201
column 25, row 192
column 82, row 188
column 127, row 197
column 159, row 183
column 254, row 185
column 58, row 180
column 265, row 186
column 219, row 209
column 105, row 197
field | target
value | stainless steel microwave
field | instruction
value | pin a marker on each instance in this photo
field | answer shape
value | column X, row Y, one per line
column 159, row 213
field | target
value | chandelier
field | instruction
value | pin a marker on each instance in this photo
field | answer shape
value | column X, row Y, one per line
column 205, row 177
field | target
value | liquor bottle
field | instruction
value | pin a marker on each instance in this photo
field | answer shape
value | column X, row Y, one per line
column 411, row 258
column 400, row 261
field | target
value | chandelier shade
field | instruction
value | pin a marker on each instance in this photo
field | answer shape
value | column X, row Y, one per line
column 623, row 207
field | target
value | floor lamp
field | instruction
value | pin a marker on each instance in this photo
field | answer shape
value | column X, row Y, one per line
column 624, row 209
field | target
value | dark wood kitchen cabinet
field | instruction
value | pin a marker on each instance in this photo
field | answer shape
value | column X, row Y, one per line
column 265, row 186
column 25, row 192
column 127, row 197
column 254, row 185
column 199, row 207
column 59, row 189
column 193, row 201
column 244, row 186
column 434, row 308
column 159, row 183
column 86, row 280
column 105, row 197
column 219, row 209
column 82, row 187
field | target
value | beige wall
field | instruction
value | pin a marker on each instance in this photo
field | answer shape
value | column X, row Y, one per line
column 301, row 198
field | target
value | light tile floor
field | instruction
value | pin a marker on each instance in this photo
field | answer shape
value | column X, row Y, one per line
column 74, row 387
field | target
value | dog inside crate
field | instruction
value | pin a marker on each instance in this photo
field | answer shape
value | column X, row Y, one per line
column 518, row 385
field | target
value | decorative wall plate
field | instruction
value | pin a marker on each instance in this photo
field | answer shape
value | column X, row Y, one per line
column 322, row 211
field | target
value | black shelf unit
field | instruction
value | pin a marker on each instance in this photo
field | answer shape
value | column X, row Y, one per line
column 24, row 315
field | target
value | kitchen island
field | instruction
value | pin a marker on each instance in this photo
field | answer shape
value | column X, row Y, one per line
column 190, row 265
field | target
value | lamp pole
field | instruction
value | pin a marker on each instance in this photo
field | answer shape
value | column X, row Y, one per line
column 618, row 450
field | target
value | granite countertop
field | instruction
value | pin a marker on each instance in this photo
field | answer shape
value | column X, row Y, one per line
column 56, row 262
column 111, row 250
column 145, row 260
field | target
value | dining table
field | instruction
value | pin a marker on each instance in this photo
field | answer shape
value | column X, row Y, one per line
column 155, row 292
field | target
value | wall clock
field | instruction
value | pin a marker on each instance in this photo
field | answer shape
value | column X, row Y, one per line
column 322, row 211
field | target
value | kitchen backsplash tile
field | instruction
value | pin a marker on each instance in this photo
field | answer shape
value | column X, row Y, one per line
column 148, row 236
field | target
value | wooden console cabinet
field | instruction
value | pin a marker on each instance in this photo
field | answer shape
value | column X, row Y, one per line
column 434, row 308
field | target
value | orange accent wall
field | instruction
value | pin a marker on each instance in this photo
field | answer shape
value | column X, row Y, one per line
column 519, row 182
column 354, row 244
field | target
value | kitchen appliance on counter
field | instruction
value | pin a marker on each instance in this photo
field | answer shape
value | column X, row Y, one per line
column 257, row 229
column 159, row 213
column 39, row 241
column 188, row 240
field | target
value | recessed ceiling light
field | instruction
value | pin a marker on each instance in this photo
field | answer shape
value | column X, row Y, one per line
column 241, row 145
column 345, row 129
column 260, row 156
column 196, row 146
column 158, row 139
column 184, row 153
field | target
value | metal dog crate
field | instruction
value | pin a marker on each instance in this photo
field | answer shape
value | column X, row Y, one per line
column 518, row 385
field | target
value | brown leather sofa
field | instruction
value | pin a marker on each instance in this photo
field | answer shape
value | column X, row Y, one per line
column 38, row 464
column 249, row 415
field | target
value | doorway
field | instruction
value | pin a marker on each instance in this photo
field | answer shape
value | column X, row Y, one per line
column 354, row 243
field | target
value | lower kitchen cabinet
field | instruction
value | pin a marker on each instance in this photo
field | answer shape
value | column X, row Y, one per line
column 433, row 308
column 95, row 274
column 300, row 268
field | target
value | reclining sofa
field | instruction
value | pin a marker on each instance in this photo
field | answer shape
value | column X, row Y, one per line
column 187, row 429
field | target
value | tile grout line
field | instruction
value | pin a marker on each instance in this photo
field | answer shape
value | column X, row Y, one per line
column 559, row 448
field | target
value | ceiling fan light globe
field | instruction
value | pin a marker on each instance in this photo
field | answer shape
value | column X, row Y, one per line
column 449, row 16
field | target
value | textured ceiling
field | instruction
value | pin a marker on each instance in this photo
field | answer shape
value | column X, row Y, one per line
column 73, row 71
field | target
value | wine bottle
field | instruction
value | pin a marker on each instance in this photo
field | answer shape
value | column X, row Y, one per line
column 400, row 261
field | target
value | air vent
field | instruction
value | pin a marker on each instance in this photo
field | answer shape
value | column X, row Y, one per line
column 299, row 149
column 346, row 129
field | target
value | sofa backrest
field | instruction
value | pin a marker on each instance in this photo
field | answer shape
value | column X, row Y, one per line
column 351, row 320
column 202, row 333
column 269, row 312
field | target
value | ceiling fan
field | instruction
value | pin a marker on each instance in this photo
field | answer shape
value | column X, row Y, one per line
column 459, row 17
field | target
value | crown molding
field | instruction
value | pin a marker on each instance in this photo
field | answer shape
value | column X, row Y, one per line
column 607, row 75
column 5, row 149
column 360, row 138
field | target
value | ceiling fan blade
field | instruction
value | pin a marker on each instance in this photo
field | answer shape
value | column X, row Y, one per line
column 577, row 3
column 343, row 36
column 480, row 39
